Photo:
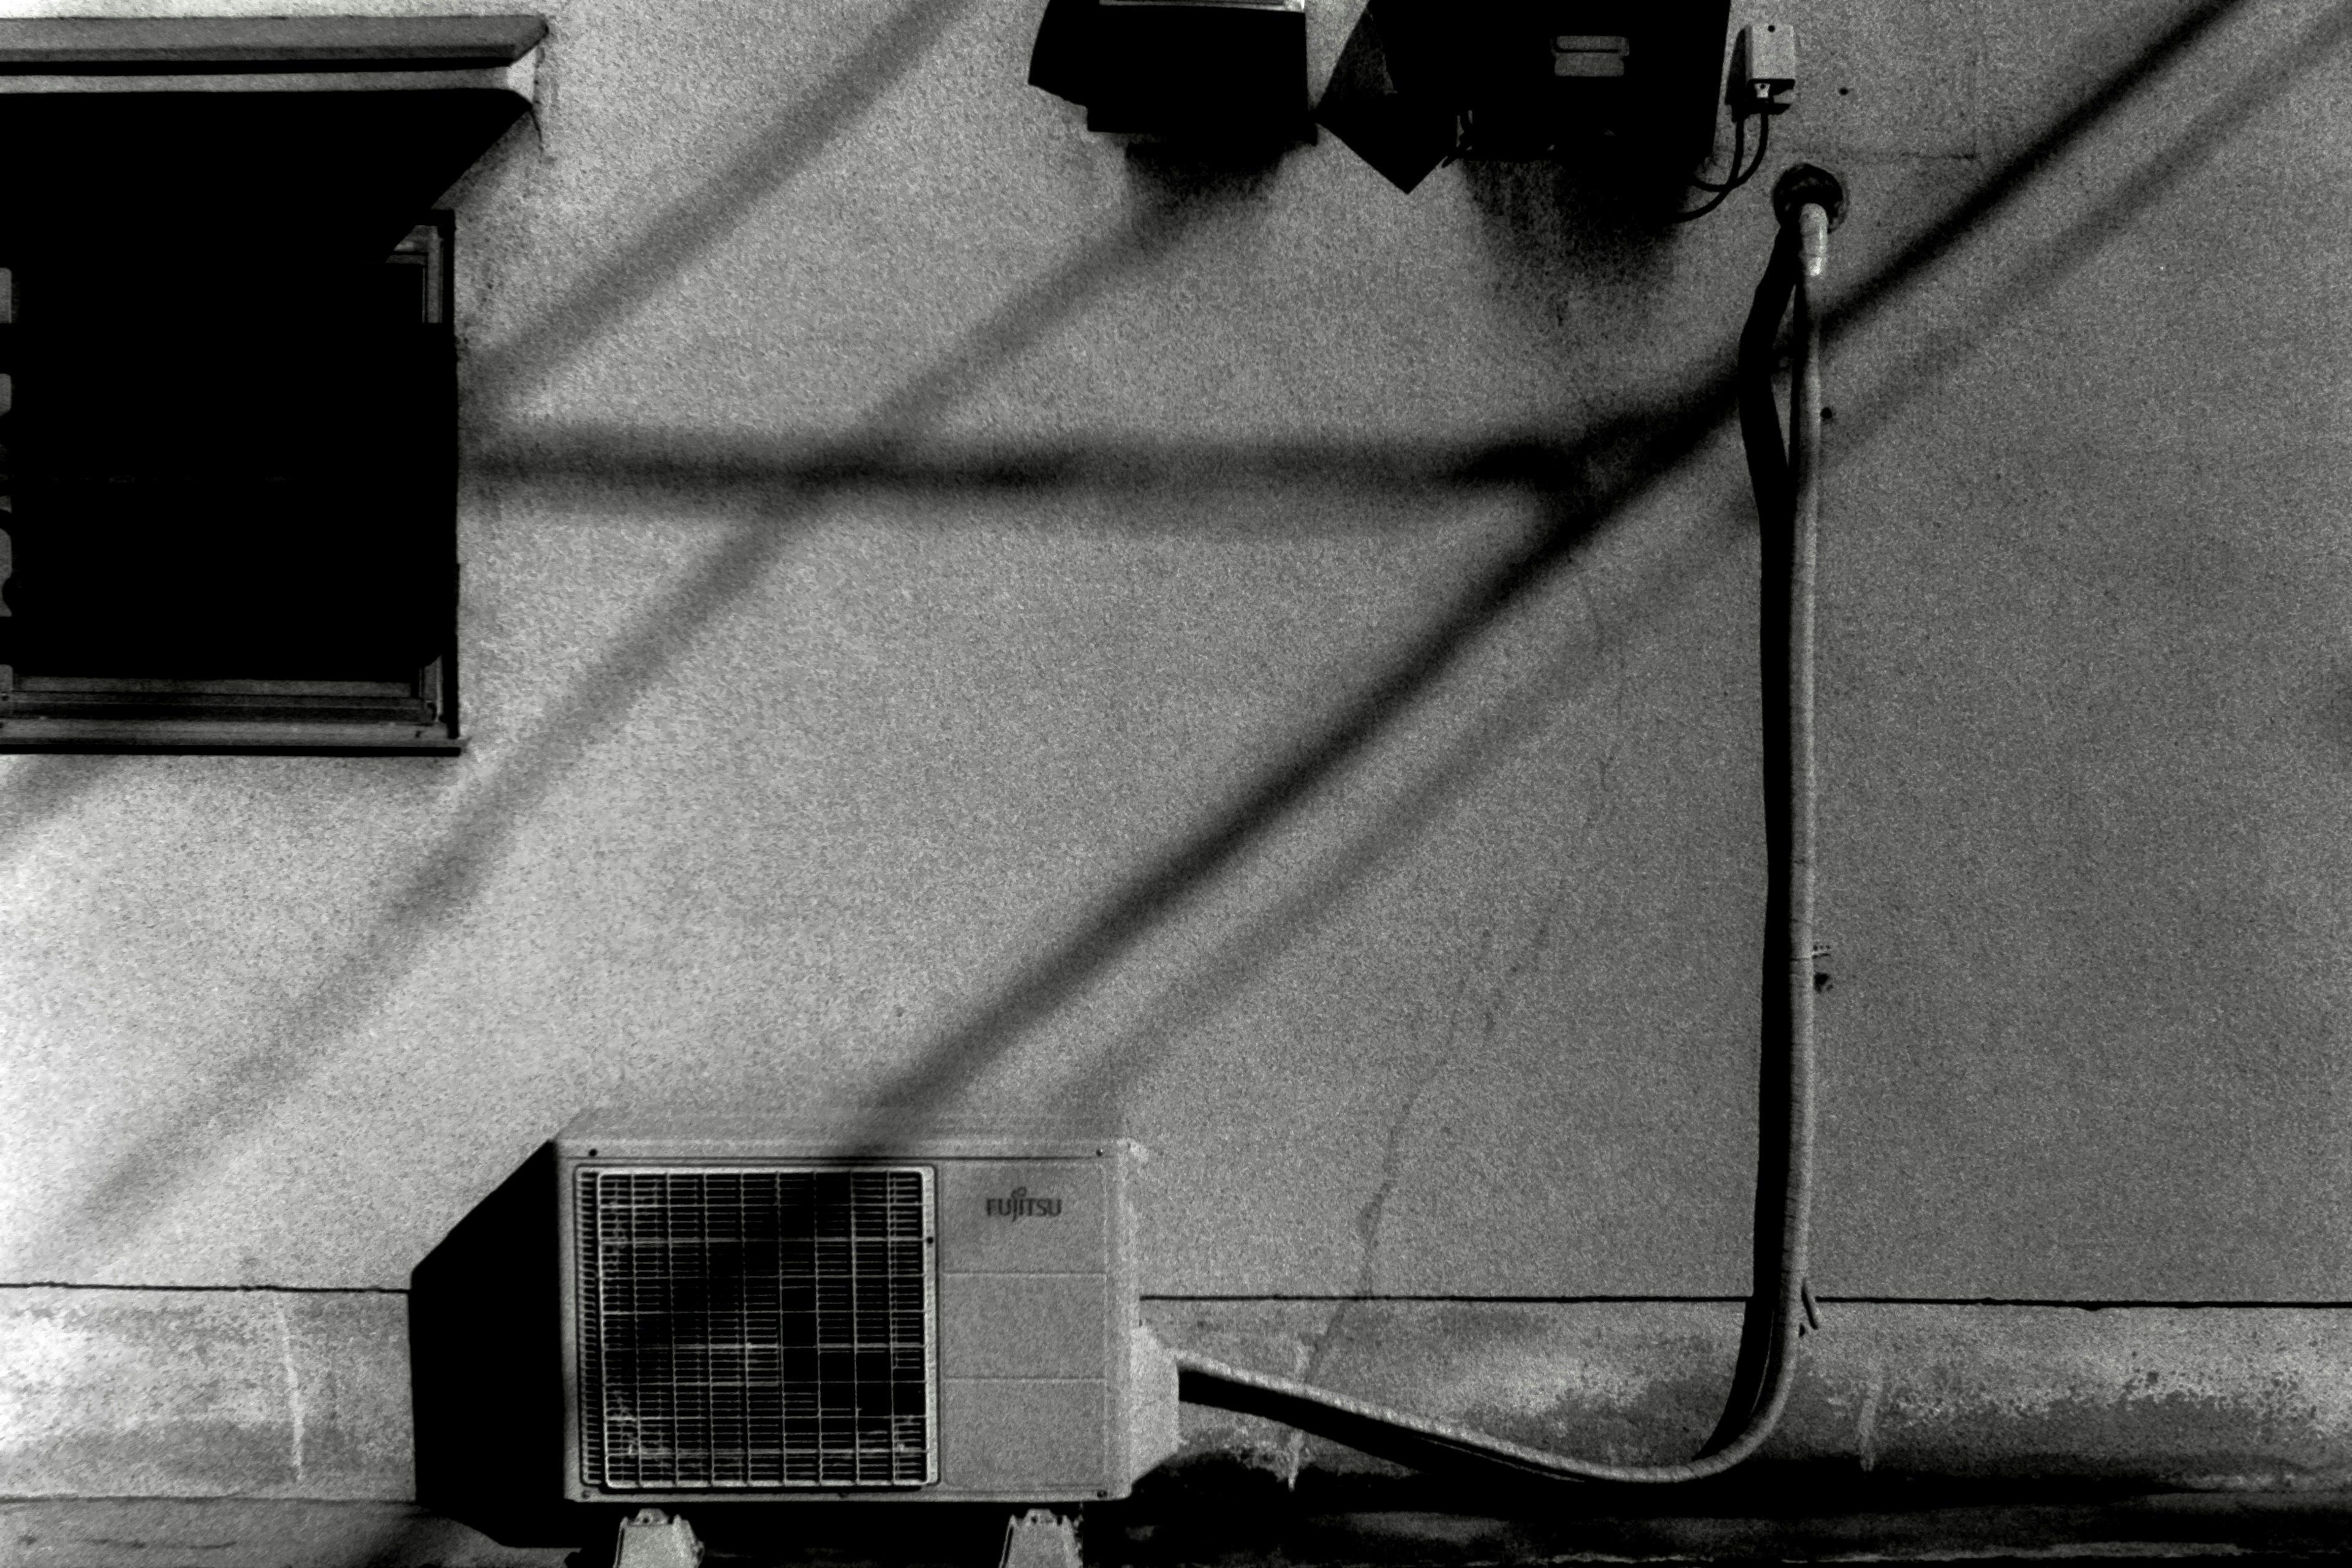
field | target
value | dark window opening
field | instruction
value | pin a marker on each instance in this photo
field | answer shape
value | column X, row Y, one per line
column 229, row 490
column 228, row 396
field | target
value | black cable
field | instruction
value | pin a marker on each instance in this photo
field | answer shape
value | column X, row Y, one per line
column 1763, row 146
column 1739, row 156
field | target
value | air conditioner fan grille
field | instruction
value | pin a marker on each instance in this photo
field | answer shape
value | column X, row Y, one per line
column 756, row 1328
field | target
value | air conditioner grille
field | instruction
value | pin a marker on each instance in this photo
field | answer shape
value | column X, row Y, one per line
column 751, row 1328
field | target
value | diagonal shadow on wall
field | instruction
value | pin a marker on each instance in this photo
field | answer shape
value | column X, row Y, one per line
column 42, row 789
column 714, row 207
column 1587, row 484
column 1580, row 507
column 1253, row 947
column 1603, row 476
column 604, row 468
column 1233, row 961
column 1583, row 505
column 144, row 1172
column 1587, row 488
column 622, row 462
column 2048, row 264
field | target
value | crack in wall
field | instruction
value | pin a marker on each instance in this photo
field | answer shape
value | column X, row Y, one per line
column 1369, row 1217
column 1539, row 941
column 1596, row 802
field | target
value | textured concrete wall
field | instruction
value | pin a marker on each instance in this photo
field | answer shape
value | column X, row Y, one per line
column 791, row 776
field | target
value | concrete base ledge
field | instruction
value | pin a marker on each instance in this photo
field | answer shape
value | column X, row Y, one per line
column 2207, row 1398
column 245, row 1532
column 254, row 1394
column 1745, row 1528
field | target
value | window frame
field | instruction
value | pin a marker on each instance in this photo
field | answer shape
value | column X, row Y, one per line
column 464, row 81
column 96, row 713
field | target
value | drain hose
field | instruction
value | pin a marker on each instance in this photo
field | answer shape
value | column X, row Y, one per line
column 1788, row 497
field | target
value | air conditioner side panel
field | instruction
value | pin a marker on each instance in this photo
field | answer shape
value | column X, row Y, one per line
column 1030, row 1285
column 1045, row 1439
column 1026, row 1326
column 1025, row 1216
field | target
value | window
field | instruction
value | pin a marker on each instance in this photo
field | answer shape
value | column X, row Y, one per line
column 228, row 396
column 226, row 516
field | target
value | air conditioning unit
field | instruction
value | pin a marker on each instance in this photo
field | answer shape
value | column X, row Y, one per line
column 851, row 1309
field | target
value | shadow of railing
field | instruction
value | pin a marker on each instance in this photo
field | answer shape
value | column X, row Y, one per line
column 713, row 207
column 625, row 470
column 142, row 1172
column 1586, row 486
column 39, row 790
column 1583, row 484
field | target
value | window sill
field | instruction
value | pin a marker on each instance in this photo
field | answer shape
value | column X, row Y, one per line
column 227, row 737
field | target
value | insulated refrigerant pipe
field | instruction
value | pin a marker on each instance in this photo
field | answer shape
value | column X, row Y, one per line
column 1809, row 202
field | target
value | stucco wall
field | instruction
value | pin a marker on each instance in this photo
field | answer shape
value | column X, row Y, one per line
column 903, row 533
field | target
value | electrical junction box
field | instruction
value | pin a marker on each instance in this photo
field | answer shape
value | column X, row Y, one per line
column 1763, row 69
column 851, row 1309
column 1619, row 86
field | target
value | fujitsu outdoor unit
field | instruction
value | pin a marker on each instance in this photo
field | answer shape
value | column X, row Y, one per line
column 752, row 1309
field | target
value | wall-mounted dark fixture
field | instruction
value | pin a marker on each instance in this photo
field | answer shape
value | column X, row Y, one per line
column 1625, row 86
column 1220, row 73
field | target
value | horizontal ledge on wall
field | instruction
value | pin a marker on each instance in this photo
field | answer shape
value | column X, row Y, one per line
column 2062, row 1303
column 2048, row 1302
column 91, row 46
column 208, row 1290
column 506, row 79
column 185, row 737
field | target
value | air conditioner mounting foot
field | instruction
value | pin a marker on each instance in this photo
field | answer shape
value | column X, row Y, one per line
column 655, row 1540
column 1040, row 1538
